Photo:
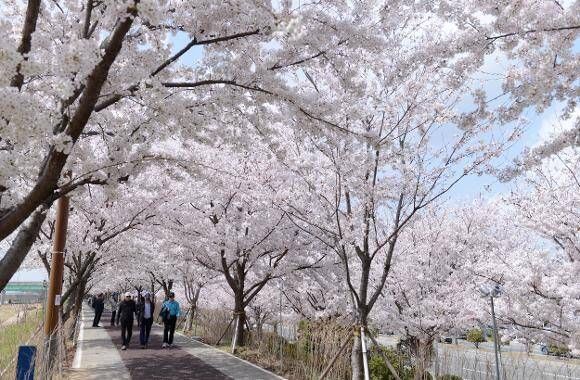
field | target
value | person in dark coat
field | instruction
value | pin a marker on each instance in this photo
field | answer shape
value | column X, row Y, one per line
column 125, row 315
column 99, row 305
column 114, row 305
column 139, row 303
column 146, row 310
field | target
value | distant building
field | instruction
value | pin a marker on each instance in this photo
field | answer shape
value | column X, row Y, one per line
column 23, row 292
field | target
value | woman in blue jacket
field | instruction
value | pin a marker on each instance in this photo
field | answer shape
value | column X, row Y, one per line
column 169, row 312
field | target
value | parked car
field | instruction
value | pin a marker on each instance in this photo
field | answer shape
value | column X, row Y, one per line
column 446, row 339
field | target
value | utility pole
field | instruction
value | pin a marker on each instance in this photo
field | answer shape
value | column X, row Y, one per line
column 53, row 301
column 280, row 289
column 492, row 292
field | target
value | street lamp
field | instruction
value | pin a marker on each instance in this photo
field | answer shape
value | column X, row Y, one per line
column 493, row 291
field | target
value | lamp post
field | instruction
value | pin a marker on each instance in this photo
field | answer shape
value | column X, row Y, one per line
column 494, row 292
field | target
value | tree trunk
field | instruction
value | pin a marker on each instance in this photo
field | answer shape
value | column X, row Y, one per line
column 240, row 319
column 422, row 350
column 260, row 326
column 77, row 306
column 190, row 316
column 241, row 328
column 356, row 357
column 80, row 293
column 167, row 286
column 356, row 360
column 20, row 246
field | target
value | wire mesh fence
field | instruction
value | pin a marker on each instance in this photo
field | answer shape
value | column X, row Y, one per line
column 480, row 365
column 53, row 356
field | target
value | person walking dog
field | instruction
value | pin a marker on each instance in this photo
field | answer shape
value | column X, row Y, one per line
column 169, row 312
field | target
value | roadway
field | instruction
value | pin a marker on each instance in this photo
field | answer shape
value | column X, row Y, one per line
column 464, row 360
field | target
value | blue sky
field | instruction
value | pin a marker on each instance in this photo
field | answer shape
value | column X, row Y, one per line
column 487, row 185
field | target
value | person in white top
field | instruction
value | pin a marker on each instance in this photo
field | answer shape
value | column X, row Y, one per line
column 147, row 308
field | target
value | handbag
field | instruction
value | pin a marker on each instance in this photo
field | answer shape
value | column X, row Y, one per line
column 164, row 314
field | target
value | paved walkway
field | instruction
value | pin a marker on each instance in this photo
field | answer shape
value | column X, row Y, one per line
column 96, row 356
column 99, row 357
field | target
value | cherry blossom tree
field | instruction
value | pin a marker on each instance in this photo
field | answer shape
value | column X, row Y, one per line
column 548, row 209
column 303, row 142
column 539, row 299
column 536, row 41
column 224, row 215
column 94, row 98
column 364, row 188
column 97, row 220
column 430, row 290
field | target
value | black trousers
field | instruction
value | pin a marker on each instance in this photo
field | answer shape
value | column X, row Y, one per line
column 126, row 331
column 169, row 330
column 145, row 330
column 113, row 317
column 97, row 318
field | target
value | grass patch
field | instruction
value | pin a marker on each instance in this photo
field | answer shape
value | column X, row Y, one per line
column 7, row 312
column 11, row 310
column 14, row 335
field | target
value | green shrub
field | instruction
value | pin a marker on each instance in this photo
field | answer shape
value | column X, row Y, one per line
column 378, row 368
column 290, row 350
column 304, row 336
column 557, row 350
column 449, row 377
column 475, row 336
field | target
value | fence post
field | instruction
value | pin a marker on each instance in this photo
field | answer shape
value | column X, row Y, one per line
column 363, row 344
column 225, row 331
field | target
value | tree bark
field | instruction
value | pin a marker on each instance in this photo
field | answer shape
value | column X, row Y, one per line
column 363, row 310
column 240, row 314
column 21, row 246
column 356, row 360
column 190, row 316
column 422, row 350
column 77, row 304
column 32, row 11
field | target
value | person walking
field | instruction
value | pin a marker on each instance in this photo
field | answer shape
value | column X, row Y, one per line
column 139, row 304
column 169, row 312
column 113, row 304
column 125, row 315
column 146, row 310
column 98, row 304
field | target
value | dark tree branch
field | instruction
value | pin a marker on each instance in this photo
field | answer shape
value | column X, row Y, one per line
column 195, row 42
column 525, row 32
column 32, row 11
